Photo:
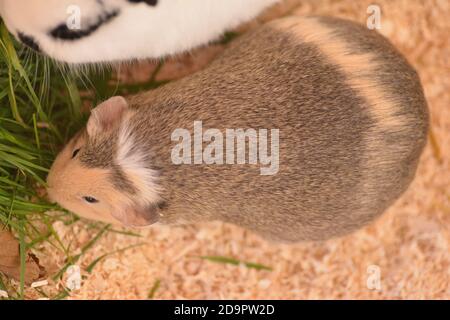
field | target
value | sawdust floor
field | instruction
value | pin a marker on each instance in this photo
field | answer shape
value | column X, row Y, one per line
column 408, row 246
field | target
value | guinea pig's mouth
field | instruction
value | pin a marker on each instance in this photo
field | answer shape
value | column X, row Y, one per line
column 63, row 32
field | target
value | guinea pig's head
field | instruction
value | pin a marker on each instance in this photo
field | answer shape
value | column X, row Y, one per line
column 102, row 175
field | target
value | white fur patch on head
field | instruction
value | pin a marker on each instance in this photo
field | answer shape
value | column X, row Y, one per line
column 133, row 161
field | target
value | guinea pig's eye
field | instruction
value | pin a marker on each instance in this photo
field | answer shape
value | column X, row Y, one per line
column 90, row 199
column 74, row 154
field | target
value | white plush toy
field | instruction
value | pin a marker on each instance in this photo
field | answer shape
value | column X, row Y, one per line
column 95, row 31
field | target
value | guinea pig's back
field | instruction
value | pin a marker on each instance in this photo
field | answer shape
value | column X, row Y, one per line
column 352, row 120
column 360, row 122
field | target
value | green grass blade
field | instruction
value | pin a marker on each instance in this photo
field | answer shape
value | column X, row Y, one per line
column 232, row 261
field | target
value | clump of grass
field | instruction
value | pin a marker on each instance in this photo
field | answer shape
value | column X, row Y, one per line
column 40, row 108
column 36, row 115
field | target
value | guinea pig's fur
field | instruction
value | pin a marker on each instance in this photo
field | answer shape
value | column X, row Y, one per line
column 352, row 118
column 121, row 30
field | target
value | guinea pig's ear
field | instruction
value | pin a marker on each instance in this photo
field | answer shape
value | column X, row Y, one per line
column 106, row 115
column 135, row 216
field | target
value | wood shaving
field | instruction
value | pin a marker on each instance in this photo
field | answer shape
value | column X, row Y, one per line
column 38, row 284
column 4, row 294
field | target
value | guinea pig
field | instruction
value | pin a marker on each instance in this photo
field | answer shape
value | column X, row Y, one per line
column 90, row 31
column 347, row 119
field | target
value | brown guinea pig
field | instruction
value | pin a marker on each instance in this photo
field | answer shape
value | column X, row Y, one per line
column 347, row 120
